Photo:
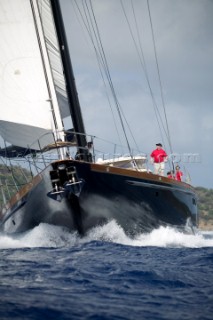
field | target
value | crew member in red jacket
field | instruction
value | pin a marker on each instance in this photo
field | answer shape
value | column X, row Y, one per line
column 158, row 158
column 170, row 174
column 178, row 173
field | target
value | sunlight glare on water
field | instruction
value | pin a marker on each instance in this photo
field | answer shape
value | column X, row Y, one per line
column 50, row 236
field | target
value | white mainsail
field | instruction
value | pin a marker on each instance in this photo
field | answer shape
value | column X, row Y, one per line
column 27, row 90
column 54, row 55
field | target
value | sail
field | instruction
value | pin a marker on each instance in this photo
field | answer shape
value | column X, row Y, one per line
column 52, row 46
column 27, row 92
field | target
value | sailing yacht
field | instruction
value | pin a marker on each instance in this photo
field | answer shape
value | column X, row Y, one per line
column 37, row 93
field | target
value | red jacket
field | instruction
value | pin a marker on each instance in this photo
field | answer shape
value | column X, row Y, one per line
column 170, row 176
column 178, row 175
column 158, row 155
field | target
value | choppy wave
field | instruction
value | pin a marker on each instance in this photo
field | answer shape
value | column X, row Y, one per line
column 54, row 237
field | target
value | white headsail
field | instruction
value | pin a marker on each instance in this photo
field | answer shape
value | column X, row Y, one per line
column 28, row 97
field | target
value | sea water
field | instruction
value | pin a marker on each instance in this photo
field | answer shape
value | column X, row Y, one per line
column 50, row 273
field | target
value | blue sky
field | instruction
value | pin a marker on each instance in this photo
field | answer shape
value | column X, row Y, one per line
column 184, row 45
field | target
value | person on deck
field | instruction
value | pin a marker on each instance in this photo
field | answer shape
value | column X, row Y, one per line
column 178, row 173
column 170, row 175
column 90, row 150
column 80, row 154
column 158, row 158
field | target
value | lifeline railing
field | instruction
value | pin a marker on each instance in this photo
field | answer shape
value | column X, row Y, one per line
column 48, row 148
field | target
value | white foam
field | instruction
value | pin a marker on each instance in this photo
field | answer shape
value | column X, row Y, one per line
column 44, row 235
column 169, row 237
column 52, row 236
column 161, row 237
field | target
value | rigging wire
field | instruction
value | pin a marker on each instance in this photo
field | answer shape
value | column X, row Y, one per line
column 159, row 77
column 110, row 80
column 98, row 56
column 143, row 65
column 156, row 110
column 94, row 34
column 111, row 83
column 104, row 63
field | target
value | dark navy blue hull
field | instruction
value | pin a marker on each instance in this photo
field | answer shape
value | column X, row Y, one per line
column 138, row 201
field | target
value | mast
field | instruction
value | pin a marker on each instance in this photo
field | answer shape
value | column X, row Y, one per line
column 74, row 105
